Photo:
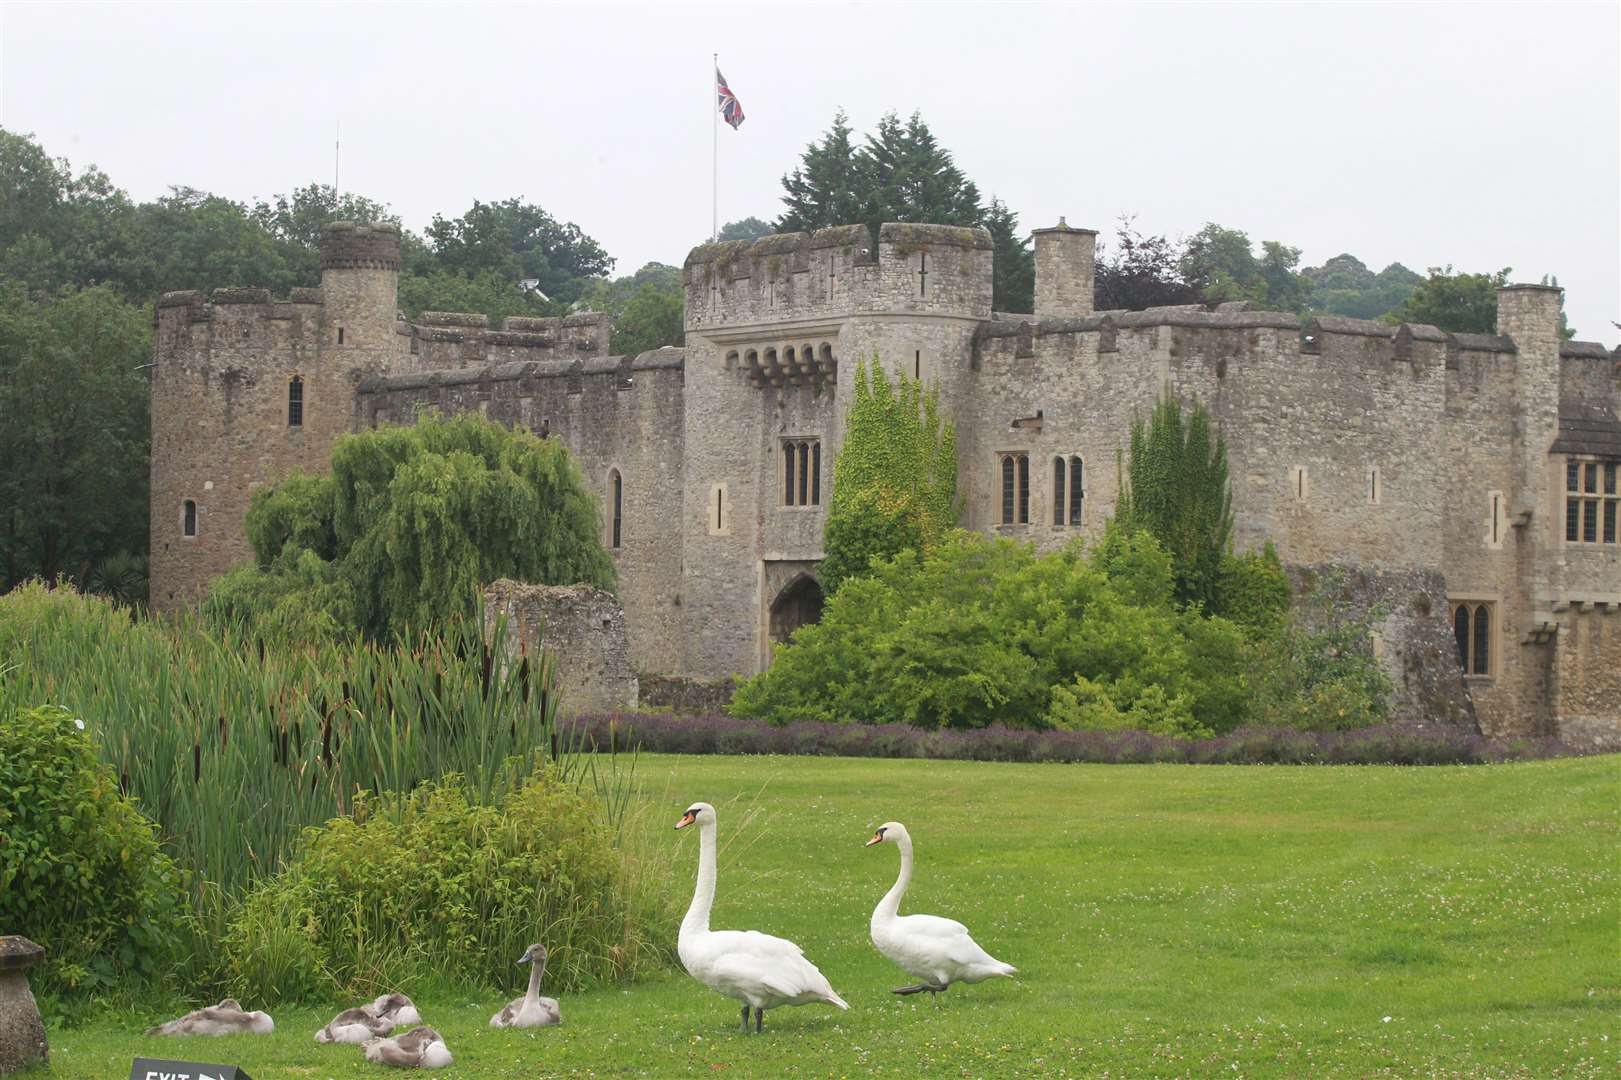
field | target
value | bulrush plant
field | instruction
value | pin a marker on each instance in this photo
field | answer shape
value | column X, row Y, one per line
column 234, row 745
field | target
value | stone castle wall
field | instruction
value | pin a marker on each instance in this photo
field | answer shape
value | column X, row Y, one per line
column 1419, row 461
column 615, row 415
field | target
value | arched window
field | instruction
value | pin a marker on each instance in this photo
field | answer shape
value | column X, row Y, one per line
column 802, row 472
column 188, row 519
column 295, row 401
column 1077, row 491
column 1015, row 488
column 617, row 484
column 1059, row 488
column 1460, row 631
column 1008, row 487
column 1472, row 630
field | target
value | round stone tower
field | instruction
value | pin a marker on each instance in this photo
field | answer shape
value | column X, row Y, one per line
column 245, row 388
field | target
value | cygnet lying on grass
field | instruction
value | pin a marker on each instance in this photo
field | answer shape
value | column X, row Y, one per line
column 226, row 1018
column 419, row 1048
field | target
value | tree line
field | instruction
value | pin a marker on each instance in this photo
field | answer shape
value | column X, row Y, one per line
column 81, row 263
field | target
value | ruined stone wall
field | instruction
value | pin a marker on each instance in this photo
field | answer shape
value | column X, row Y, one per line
column 583, row 628
column 614, row 414
column 1412, row 638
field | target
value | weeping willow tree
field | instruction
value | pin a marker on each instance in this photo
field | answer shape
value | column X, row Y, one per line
column 895, row 480
column 1175, row 487
column 408, row 526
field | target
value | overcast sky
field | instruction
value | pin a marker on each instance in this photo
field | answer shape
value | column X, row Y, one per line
column 1476, row 136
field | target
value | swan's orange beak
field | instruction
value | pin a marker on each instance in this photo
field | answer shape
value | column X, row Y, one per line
column 877, row 838
column 686, row 819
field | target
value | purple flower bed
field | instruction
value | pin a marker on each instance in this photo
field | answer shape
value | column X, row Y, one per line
column 1391, row 745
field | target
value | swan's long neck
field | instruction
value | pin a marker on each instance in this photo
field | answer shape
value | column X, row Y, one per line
column 703, row 896
column 891, row 903
column 535, row 972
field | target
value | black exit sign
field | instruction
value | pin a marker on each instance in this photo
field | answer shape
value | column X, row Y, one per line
column 158, row 1069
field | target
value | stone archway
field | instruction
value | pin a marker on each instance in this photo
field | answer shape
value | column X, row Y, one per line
column 799, row 604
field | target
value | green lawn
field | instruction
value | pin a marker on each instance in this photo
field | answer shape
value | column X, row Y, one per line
column 1166, row 920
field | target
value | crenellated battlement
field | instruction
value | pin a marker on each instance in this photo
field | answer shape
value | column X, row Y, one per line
column 442, row 339
column 835, row 273
column 346, row 245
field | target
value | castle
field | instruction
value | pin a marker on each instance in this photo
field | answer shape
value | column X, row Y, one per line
column 1466, row 484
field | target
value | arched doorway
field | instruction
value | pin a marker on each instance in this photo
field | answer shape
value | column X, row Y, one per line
column 799, row 603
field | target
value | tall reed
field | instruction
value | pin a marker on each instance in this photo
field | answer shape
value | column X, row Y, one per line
column 234, row 745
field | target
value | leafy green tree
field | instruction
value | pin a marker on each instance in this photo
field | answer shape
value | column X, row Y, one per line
column 73, row 441
column 300, row 218
column 646, row 307
column 1221, row 264
column 1014, row 277
column 652, row 318
column 410, row 524
column 487, row 292
column 1176, row 489
column 749, row 228
column 519, row 241
column 1345, row 286
column 58, row 230
column 1457, row 303
column 895, row 478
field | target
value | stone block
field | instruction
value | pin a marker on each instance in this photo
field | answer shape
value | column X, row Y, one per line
column 22, row 1033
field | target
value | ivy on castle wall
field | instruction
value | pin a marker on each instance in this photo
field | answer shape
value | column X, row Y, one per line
column 895, row 478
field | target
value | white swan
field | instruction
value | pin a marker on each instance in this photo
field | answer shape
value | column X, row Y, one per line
column 531, row 1010
column 419, row 1048
column 226, row 1018
column 370, row 1020
column 759, row 970
column 937, row 951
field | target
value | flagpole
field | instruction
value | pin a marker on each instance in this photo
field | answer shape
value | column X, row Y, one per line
column 714, row 147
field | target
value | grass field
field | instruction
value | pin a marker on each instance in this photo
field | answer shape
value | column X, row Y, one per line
column 1166, row 920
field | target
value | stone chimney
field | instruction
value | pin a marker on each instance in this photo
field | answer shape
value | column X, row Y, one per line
column 1529, row 314
column 1064, row 258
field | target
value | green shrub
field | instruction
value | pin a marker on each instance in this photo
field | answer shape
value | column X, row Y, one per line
column 1253, row 590
column 434, row 887
column 984, row 631
column 80, row 868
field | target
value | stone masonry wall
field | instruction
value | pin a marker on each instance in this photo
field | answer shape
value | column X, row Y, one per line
column 613, row 414
column 582, row 627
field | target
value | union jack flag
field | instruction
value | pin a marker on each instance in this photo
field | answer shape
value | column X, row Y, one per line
column 731, row 110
